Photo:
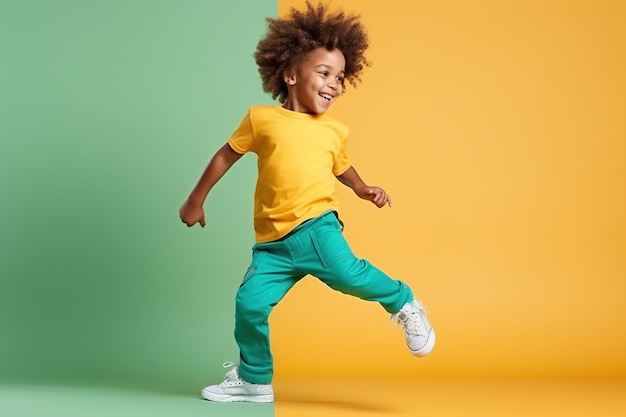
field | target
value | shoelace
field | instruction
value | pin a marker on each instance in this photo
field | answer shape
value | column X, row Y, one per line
column 412, row 322
column 232, row 376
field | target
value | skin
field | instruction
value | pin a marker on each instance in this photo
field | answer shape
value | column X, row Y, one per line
column 316, row 83
column 312, row 88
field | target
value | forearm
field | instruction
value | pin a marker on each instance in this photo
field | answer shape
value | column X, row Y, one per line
column 351, row 179
column 217, row 167
column 375, row 194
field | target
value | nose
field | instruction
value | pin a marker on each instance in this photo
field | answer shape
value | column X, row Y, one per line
column 332, row 84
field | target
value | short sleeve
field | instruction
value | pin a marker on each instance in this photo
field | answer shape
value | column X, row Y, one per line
column 242, row 139
column 342, row 161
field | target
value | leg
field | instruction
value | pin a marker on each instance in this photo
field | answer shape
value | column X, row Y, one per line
column 266, row 282
column 332, row 261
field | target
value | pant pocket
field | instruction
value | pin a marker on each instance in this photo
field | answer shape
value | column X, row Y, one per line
column 257, row 258
column 330, row 245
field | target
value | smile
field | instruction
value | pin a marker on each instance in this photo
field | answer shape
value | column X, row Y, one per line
column 326, row 96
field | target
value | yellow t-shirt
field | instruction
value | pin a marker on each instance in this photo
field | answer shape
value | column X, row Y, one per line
column 299, row 156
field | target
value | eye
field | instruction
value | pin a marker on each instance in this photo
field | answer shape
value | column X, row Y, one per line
column 340, row 79
column 324, row 73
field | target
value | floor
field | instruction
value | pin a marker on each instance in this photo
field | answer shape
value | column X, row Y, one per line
column 469, row 397
column 93, row 401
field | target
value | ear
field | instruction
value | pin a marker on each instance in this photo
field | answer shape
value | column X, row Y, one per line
column 289, row 77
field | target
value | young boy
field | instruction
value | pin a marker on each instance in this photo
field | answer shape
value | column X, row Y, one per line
column 304, row 60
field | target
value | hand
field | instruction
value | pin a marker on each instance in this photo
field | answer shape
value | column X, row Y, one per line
column 376, row 195
column 191, row 214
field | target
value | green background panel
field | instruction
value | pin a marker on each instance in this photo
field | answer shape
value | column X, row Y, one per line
column 109, row 111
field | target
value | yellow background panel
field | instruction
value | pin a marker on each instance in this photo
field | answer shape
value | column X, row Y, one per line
column 499, row 130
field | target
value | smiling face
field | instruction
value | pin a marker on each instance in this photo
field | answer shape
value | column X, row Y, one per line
column 315, row 85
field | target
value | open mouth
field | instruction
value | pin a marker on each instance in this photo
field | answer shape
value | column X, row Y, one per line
column 326, row 97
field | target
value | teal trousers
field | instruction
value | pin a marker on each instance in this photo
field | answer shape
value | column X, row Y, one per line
column 316, row 247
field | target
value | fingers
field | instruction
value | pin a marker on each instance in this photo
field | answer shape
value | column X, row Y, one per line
column 385, row 199
column 190, row 215
column 379, row 197
column 191, row 222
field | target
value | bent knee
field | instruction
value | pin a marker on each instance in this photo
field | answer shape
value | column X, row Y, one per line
column 349, row 269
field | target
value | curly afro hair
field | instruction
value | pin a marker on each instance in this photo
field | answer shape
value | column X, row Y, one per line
column 290, row 39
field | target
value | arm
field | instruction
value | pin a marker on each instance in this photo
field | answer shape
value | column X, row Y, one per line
column 191, row 212
column 376, row 195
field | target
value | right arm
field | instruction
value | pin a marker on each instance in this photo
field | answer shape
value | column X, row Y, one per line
column 191, row 212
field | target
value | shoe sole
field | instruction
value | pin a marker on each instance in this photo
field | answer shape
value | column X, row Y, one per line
column 225, row 398
column 428, row 347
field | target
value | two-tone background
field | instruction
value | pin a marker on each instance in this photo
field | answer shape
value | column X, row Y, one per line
column 497, row 127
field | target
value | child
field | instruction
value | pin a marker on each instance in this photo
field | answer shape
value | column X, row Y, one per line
column 304, row 60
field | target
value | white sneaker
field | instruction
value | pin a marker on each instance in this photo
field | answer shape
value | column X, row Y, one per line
column 419, row 334
column 233, row 388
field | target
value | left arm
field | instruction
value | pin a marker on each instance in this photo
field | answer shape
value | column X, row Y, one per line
column 376, row 195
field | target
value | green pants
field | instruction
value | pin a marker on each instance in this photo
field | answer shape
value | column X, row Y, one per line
column 316, row 247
